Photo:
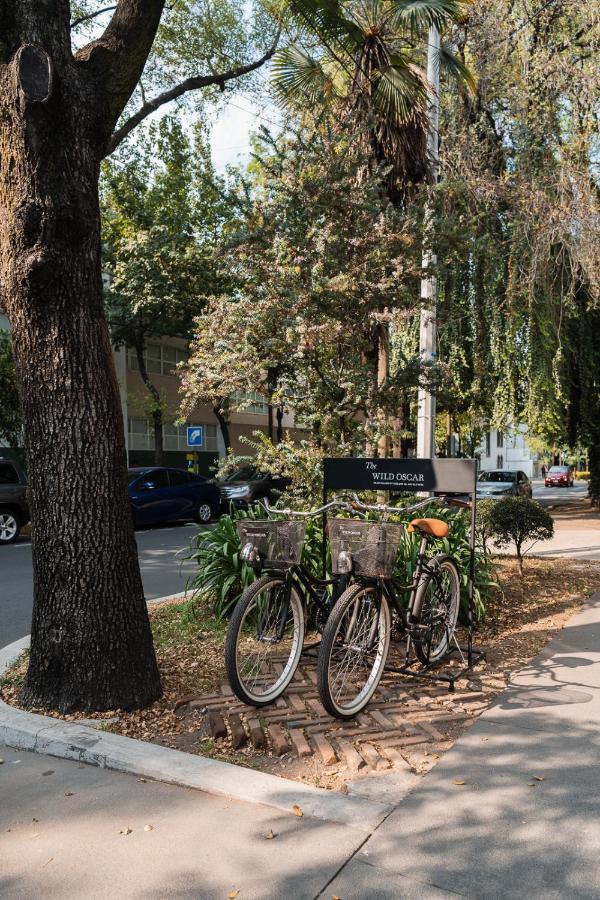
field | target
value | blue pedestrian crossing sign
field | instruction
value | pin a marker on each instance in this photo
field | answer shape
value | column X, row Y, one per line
column 195, row 436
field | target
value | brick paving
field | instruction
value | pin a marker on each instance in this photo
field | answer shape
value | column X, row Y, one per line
column 405, row 715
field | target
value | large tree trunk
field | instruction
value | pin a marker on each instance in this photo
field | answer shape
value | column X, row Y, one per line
column 91, row 645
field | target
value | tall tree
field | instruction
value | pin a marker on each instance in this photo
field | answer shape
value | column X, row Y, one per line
column 163, row 211
column 91, row 646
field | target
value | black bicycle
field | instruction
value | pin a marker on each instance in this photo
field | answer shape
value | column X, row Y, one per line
column 356, row 638
column 265, row 637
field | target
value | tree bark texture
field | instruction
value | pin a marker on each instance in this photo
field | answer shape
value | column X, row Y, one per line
column 91, row 645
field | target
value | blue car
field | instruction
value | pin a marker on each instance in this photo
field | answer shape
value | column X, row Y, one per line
column 163, row 495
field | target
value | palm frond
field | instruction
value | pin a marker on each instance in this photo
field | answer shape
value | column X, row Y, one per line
column 454, row 66
column 417, row 15
column 399, row 91
column 296, row 75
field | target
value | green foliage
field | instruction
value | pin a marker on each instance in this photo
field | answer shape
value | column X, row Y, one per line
column 10, row 409
column 484, row 523
column 456, row 545
column 519, row 520
column 301, row 462
column 222, row 576
column 322, row 259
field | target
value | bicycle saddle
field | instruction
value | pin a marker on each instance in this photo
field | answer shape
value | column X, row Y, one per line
column 434, row 527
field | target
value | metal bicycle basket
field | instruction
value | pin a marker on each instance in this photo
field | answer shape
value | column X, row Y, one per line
column 277, row 541
column 373, row 546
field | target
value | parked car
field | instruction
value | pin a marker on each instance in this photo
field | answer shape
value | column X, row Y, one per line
column 502, row 483
column 247, row 485
column 14, row 510
column 559, row 476
column 164, row 495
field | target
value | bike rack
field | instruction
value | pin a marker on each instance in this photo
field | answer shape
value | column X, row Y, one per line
column 436, row 476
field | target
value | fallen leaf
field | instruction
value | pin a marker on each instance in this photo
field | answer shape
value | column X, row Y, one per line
column 125, row 831
column 143, row 780
column 531, row 784
column 49, row 860
column 456, row 781
column 1, row 761
column 68, row 793
column 233, row 894
column 148, row 827
column 35, row 820
column 297, row 810
column 269, row 835
column 538, row 777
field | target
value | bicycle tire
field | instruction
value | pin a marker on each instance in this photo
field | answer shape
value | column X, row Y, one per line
column 240, row 685
column 330, row 698
column 426, row 651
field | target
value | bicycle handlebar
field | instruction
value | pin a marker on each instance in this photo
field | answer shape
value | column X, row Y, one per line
column 358, row 505
column 341, row 504
column 381, row 507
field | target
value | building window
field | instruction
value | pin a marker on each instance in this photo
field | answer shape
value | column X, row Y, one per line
column 499, row 461
column 252, row 402
column 488, row 444
column 160, row 359
column 141, row 436
column 499, row 438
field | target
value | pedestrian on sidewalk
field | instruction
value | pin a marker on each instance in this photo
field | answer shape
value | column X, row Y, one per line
column 544, row 470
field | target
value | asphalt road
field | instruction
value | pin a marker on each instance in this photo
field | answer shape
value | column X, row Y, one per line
column 559, row 495
column 163, row 572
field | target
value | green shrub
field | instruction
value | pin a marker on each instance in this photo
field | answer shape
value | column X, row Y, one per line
column 483, row 523
column 222, row 576
column 456, row 545
column 518, row 520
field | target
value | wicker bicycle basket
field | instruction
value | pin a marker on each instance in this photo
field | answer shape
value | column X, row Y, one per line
column 373, row 546
column 280, row 541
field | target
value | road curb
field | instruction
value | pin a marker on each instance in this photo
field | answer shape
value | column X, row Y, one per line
column 69, row 740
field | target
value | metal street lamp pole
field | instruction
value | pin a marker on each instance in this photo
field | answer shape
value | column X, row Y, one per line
column 427, row 332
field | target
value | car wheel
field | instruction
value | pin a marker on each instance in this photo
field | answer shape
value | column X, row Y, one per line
column 9, row 527
column 204, row 513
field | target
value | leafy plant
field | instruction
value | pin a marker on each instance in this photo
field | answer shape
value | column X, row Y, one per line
column 222, row 575
column 456, row 545
column 518, row 520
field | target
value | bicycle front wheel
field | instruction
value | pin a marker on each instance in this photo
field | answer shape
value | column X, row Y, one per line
column 436, row 610
column 264, row 640
column 353, row 650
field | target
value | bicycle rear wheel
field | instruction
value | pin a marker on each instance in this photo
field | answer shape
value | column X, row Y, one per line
column 353, row 650
column 264, row 640
column 436, row 610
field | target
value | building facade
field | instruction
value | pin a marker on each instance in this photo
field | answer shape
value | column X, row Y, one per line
column 508, row 449
column 161, row 359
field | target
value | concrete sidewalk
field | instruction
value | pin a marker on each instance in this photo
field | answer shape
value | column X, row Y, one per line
column 524, row 824
column 504, row 833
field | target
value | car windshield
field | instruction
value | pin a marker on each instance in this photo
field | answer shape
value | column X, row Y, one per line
column 559, row 470
column 247, row 473
column 134, row 474
column 504, row 477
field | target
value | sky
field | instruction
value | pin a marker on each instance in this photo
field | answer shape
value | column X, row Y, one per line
column 230, row 137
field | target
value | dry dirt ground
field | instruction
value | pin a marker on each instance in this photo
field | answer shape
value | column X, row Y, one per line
column 408, row 724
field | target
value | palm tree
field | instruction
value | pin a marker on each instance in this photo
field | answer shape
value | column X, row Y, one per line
column 368, row 57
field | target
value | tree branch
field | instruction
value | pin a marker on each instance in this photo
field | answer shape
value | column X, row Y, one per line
column 90, row 16
column 115, row 60
column 190, row 84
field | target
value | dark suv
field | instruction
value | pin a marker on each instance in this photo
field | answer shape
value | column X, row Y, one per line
column 14, row 511
column 247, row 485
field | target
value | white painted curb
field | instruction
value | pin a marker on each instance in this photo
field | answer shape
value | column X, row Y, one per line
column 70, row 740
